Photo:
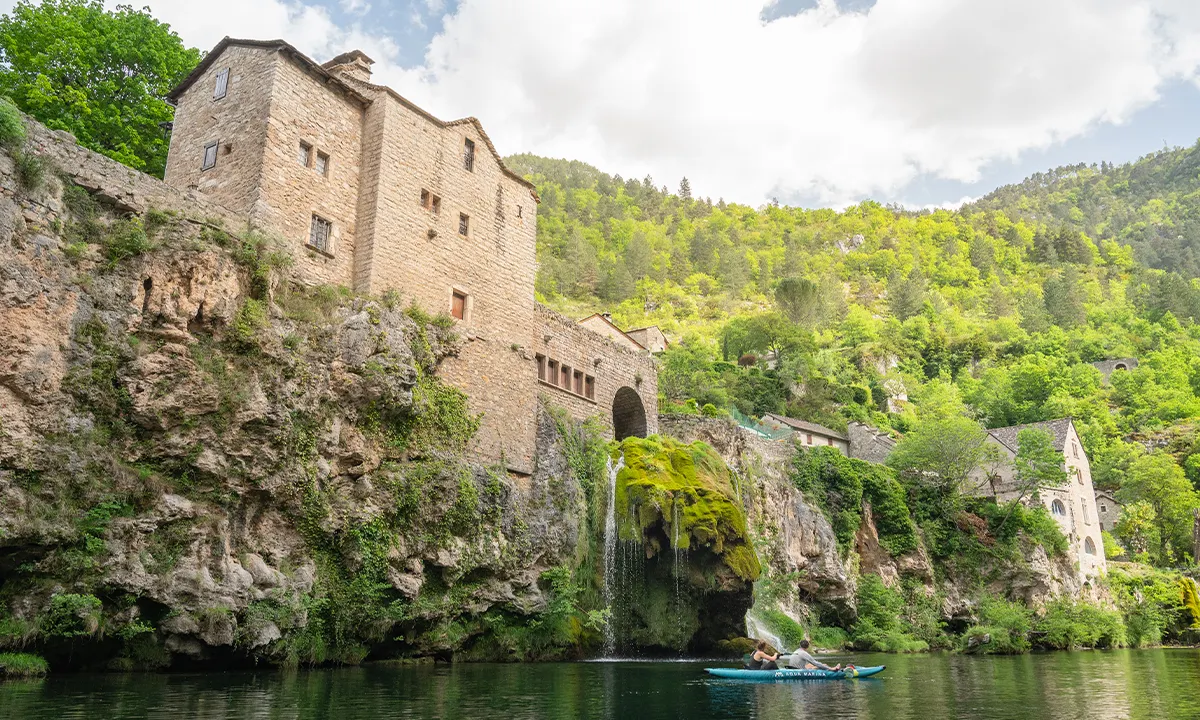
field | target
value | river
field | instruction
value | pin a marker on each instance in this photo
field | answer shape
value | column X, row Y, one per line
column 1057, row 686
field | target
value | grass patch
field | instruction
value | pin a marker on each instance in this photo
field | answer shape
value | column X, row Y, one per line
column 22, row 665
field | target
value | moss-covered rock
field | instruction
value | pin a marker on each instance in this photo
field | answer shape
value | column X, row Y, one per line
column 687, row 572
column 686, row 493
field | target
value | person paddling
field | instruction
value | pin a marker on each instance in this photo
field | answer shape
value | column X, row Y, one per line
column 761, row 659
column 803, row 660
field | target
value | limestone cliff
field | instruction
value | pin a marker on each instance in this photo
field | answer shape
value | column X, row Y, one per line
column 200, row 461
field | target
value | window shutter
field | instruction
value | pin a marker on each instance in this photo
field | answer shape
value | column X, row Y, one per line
column 222, row 84
column 210, row 156
column 458, row 305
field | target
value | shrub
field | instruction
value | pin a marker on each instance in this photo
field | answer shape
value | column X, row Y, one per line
column 31, row 170
column 248, row 325
column 1008, row 625
column 12, row 127
column 1151, row 602
column 70, row 615
column 125, row 239
column 1067, row 625
column 789, row 632
column 832, row 638
column 880, row 625
column 22, row 665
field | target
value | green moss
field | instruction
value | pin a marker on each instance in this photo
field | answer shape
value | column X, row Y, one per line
column 22, row 665
column 1191, row 600
column 687, row 491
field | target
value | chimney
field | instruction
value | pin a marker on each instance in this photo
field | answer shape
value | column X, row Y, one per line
column 354, row 65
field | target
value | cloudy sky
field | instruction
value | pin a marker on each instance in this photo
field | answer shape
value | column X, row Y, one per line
column 815, row 102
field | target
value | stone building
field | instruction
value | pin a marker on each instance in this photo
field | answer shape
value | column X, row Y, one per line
column 1073, row 505
column 373, row 193
column 1108, row 510
column 868, row 443
column 651, row 338
column 807, row 434
column 1108, row 367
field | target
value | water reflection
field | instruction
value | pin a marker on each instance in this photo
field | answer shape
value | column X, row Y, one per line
column 1060, row 686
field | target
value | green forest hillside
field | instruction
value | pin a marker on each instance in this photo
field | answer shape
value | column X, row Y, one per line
column 987, row 313
column 1152, row 205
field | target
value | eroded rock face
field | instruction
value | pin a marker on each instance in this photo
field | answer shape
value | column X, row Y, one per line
column 227, row 466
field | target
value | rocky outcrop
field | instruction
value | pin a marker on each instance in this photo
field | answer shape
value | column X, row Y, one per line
column 200, row 461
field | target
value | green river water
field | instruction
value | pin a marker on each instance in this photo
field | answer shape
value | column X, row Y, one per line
column 1109, row 685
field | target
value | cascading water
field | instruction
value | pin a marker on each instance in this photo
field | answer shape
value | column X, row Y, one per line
column 675, row 544
column 757, row 630
column 610, row 555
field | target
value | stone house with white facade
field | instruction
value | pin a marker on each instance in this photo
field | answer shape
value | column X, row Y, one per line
column 1073, row 505
column 371, row 192
column 1108, row 510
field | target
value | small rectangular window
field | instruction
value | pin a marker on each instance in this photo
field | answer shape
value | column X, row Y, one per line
column 458, row 305
column 552, row 375
column 589, row 387
column 322, row 165
column 426, row 199
column 222, row 84
column 578, row 382
column 810, row 438
column 464, row 224
column 565, row 377
column 469, row 154
column 437, row 205
column 305, row 154
column 1103, row 508
column 210, row 156
column 541, row 363
column 319, row 232
column 829, row 441
column 519, row 209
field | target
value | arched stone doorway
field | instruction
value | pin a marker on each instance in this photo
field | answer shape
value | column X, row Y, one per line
column 628, row 414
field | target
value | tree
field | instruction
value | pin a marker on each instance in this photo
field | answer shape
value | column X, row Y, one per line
column 1064, row 298
column 940, row 456
column 685, row 189
column 906, row 295
column 1037, row 465
column 799, row 299
column 1159, row 482
column 102, row 76
column 1138, row 527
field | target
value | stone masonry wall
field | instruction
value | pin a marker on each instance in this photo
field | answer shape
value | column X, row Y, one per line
column 304, row 109
column 422, row 255
column 236, row 121
column 560, row 338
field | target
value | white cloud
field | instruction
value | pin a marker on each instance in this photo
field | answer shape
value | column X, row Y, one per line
column 356, row 7
column 824, row 104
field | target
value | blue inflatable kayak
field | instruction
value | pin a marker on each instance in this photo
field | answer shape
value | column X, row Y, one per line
column 795, row 674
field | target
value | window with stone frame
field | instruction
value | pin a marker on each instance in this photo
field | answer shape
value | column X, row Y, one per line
column 431, row 202
column 469, row 154
column 589, row 387
column 464, row 224
column 322, row 163
column 319, row 234
column 222, row 86
column 304, row 157
column 210, row 156
column 458, row 305
column 541, row 364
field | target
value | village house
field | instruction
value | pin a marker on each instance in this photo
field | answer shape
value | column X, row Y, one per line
column 807, row 434
column 1108, row 510
column 373, row 193
column 1073, row 504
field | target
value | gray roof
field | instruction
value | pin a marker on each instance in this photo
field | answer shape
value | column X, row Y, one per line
column 1057, row 429
column 805, row 426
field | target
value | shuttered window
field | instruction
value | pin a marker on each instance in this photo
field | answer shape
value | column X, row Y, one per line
column 319, row 232
column 222, row 84
column 210, row 156
column 458, row 305
column 469, row 154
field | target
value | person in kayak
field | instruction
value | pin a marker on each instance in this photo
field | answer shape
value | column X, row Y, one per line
column 761, row 659
column 803, row 660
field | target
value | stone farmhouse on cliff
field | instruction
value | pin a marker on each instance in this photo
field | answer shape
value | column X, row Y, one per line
column 1073, row 505
column 376, row 194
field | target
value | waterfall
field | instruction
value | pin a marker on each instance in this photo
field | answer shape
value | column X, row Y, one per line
column 757, row 630
column 610, row 556
column 675, row 523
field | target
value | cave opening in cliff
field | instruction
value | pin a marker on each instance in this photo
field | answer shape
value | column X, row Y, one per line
column 629, row 415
